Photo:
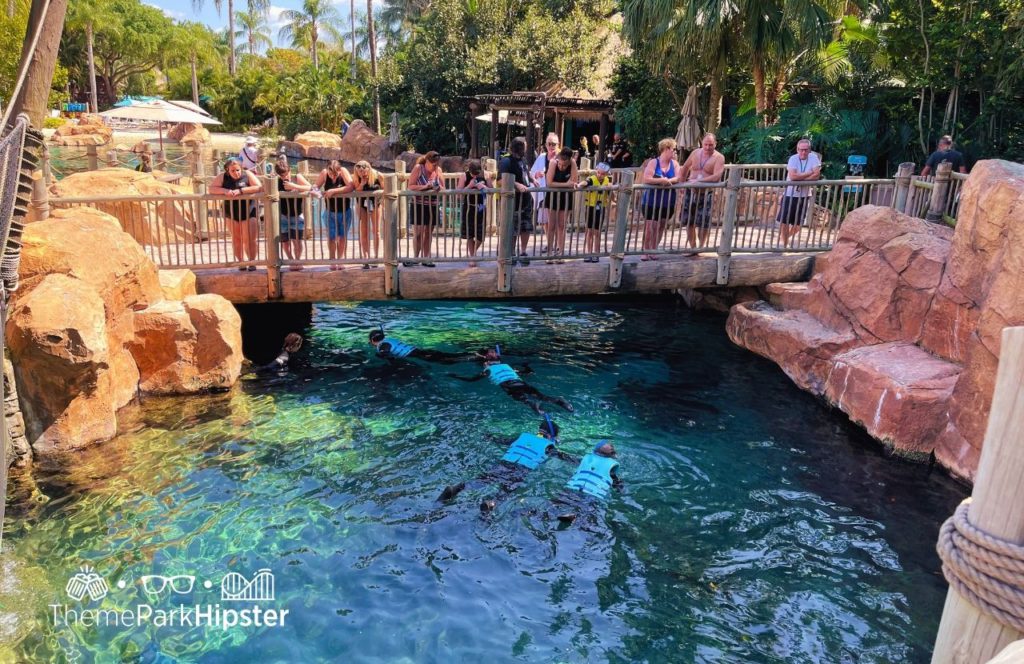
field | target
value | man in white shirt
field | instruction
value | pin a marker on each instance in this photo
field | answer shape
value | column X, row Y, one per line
column 250, row 154
column 804, row 166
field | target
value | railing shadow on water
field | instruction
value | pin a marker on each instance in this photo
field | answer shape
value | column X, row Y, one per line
column 498, row 225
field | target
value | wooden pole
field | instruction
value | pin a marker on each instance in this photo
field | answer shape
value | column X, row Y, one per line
column 403, row 208
column 602, row 133
column 507, row 232
column 92, row 158
column 390, row 231
column 903, row 175
column 112, row 161
column 966, row 635
column 618, row 253
column 199, row 187
column 494, row 132
column 272, row 201
column 940, row 192
column 732, row 194
column 474, row 129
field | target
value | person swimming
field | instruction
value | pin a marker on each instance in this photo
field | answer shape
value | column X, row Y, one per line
column 595, row 476
column 389, row 348
column 505, row 377
column 292, row 344
column 525, row 452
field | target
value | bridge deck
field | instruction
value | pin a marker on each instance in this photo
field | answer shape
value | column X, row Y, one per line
column 539, row 279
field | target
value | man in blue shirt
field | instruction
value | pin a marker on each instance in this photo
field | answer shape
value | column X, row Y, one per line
column 944, row 152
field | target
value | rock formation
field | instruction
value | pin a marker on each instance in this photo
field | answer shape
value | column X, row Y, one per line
column 90, row 328
column 89, row 130
column 150, row 223
column 360, row 142
column 190, row 134
column 900, row 324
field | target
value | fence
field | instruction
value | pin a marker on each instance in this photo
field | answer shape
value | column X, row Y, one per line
column 498, row 224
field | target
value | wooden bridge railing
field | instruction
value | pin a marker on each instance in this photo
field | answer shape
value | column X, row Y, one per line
column 417, row 228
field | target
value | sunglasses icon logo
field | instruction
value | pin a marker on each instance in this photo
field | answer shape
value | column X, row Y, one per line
column 154, row 585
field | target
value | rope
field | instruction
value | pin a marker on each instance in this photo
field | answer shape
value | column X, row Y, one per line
column 986, row 571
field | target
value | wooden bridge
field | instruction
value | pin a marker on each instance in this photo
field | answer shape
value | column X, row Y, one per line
column 739, row 244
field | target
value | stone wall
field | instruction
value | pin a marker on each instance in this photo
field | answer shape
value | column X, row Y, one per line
column 900, row 324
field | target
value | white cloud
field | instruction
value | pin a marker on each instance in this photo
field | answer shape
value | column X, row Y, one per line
column 274, row 19
column 177, row 16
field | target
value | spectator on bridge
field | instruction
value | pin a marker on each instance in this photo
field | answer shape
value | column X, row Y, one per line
column 335, row 182
column 366, row 180
column 514, row 164
column 426, row 176
column 474, row 208
column 597, row 206
column 705, row 164
column 562, row 174
column 621, row 155
column 293, row 225
column 659, row 204
column 804, row 166
column 250, row 154
column 240, row 216
column 944, row 152
column 538, row 173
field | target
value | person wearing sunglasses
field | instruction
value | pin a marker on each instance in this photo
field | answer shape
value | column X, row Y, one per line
column 366, row 180
column 538, row 173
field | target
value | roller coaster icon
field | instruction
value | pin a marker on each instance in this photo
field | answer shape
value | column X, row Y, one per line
column 236, row 588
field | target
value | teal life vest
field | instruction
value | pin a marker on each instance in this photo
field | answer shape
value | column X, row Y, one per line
column 528, row 450
column 398, row 349
column 594, row 475
column 501, row 373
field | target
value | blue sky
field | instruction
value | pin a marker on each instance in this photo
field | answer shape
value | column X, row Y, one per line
column 182, row 10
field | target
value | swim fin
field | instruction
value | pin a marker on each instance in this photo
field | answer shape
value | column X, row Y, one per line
column 451, row 491
column 568, row 517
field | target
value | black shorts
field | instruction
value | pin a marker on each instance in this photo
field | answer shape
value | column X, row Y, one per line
column 237, row 210
column 559, row 201
column 595, row 218
column 656, row 212
column 697, row 208
column 423, row 215
column 524, row 220
column 793, row 210
column 473, row 223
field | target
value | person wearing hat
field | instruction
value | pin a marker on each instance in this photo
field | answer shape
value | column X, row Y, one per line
column 145, row 153
column 250, row 154
column 596, row 203
column 594, row 477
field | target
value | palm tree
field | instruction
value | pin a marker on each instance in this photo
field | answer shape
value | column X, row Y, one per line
column 254, row 31
column 86, row 15
column 254, row 6
column 308, row 26
column 195, row 44
column 372, row 37
column 400, row 17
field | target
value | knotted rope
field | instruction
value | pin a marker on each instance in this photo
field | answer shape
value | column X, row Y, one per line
column 988, row 572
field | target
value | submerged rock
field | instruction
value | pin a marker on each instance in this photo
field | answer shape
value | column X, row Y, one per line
column 900, row 325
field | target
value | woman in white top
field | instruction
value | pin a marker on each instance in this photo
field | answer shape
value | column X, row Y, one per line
column 538, row 173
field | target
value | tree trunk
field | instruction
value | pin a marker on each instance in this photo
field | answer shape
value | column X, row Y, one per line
column 231, row 37
column 195, row 81
column 35, row 92
column 760, row 101
column 313, row 38
column 92, row 68
column 371, row 34
column 352, row 21
column 252, row 44
column 714, row 116
column 11, row 8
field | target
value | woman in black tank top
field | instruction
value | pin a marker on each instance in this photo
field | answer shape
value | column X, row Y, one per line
column 335, row 182
column 292, row 189
column 240, row 216
column 562, row 174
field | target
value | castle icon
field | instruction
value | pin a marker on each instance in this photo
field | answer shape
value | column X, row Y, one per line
column 235, row 588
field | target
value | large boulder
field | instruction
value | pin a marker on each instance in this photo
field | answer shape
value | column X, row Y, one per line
column 190, row 134
column 900, row 324
column 82, row 334
column 149, row 222
column 318, row 139
column 361, row 142
column 89, row 130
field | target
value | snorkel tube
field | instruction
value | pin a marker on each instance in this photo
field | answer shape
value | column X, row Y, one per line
column 551, row 428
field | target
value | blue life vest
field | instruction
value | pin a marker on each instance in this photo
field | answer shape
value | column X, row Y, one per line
column 501, row 373
column 398, row 349
column 528, row 450
column 594, row 475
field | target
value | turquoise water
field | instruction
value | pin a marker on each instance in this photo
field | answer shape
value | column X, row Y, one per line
column 755, row 524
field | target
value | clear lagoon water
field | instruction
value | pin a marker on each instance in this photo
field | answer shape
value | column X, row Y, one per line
column 755, row 524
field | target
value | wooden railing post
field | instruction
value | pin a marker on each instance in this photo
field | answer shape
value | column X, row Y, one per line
column 112, row 159
column 403, row 208
column 507, row 236
column 966, row 635
column 40, row 203
column 903, row 176
column 217, row 165
column 623, row 199
column 732, row 195
column 44, row 160
column 92, row 158
column 272, row 217
column 390, row 230
column 940, row 192
column 199, row 187
column 307, row 201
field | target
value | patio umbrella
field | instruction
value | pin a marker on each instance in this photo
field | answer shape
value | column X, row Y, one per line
column 688, row 135
column 159, row 111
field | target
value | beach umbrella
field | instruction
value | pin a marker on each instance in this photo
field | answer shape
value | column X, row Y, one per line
column 159, row 111
column 688, row 135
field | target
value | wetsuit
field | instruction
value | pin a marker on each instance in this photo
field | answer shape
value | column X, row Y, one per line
column 393, row 349
column 508, row 380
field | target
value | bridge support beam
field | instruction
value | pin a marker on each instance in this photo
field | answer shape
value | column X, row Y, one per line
column 622, row 207
column 390, row 231
column 507, row 233
column 732, row 193
column 272, row 215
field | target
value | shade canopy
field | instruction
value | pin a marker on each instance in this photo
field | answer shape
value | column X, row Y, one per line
column 130, row 101
column 159, row 110
column 688, row 134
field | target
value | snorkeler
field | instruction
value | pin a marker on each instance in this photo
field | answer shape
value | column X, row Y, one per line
column 525, row 453
column 292, row 344
column 507, row 379
column 595, row 477
column 393, row 349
